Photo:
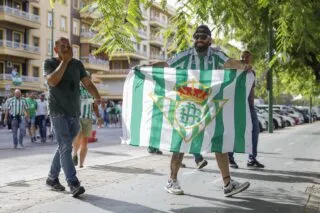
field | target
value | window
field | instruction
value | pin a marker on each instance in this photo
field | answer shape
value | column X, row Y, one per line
column 36, row 41
column 17, row 5
column 35, row 71
column 63, row 22
column 145, row 48
column 75, row 49
column 18, row 68
column 49, row 19
column 1, row 35
column 75, row 26
column 35, row 11
column 83, row 28
column 49, row 47
column 76, row 4
column 17, row 39
column 1, row 67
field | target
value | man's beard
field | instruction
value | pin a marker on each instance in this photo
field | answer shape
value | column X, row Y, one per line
column 201, row 49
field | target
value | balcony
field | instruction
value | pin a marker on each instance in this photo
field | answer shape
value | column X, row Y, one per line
column 156, row 40
column 113, row 74
column 86, row 38
column 143, row 34
column 157, row 57
column 157, row 21
column 93, row 63
column 16, row 16
column 28, row 82
column 19, row 49
column 102, row 88
column 137, row 54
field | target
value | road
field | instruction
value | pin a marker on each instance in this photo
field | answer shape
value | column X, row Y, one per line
column 120, row 179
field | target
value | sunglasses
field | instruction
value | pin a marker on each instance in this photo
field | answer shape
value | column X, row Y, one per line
column 200, row 37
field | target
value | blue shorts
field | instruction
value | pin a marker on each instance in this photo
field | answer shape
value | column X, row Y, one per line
column 32, row 121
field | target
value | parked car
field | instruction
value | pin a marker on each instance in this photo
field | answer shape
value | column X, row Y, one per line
column 263, row 124
column 288, row 120
column 277, row 121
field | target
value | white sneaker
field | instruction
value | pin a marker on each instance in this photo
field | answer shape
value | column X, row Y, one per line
column 173, row 187
column 235, row 187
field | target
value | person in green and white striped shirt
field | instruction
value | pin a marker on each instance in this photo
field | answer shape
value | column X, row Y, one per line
column 203, row 57
column 18, row 109
column 80, row 143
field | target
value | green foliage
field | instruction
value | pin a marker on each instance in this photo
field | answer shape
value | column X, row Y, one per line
column 295, row 25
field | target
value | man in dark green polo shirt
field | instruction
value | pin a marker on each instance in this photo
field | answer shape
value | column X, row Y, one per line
column 63, row 75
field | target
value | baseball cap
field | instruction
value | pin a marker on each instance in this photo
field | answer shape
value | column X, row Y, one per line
column 203, row 29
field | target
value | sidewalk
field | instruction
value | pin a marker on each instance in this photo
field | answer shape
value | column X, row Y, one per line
column 121, row 179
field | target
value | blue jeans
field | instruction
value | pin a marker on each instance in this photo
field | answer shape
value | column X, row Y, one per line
column 65, row 128
column 18, row 123
column 255, row 136
column 41, row 122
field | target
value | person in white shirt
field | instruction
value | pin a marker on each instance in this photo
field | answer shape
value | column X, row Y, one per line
column 41, row 117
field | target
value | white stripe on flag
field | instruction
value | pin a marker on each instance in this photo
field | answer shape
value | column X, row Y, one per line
column 127, row 107
column 147, row 107
column 228, row 116
column 167, row 129
column 217, row 77
column 248, row 135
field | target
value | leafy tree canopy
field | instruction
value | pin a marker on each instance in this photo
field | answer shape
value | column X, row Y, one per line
column 295, row 26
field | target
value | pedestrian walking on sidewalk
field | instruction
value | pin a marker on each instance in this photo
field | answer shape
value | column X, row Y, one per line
column 41, row 117
column 80, row 143
column 63, row 75
column 17, row 107
column 203, row 57
column 32, row 108
column 246, row 57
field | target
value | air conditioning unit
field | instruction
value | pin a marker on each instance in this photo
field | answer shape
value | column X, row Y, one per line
column 9, row 64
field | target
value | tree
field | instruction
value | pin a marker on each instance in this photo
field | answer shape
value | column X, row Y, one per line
column 296, row 29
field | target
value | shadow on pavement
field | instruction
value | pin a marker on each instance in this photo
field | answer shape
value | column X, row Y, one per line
column 116, row 206
column 108, row 153
column 130, row 170
column 293, row 173
column 307, row 159
column 269, row 153
column 279, row 176
column 242, row 205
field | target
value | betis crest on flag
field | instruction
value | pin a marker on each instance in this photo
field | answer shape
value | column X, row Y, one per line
column 189, row 111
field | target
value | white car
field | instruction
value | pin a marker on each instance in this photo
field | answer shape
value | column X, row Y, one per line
column 288, row 121
column 263, row 124
column 277, row 121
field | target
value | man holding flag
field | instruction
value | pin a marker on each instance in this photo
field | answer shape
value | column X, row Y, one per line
column 204, row 57
column 198, row 105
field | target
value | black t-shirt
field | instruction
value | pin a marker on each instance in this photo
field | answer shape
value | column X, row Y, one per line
column 64, row 98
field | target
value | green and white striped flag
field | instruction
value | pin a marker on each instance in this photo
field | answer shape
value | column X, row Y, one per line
column 189, row 111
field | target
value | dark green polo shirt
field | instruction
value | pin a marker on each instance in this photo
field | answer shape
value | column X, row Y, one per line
column 64, row 98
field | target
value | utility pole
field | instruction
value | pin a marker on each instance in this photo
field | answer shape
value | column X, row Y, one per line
column 270, row 76
column 310, row 121
column 52, row 30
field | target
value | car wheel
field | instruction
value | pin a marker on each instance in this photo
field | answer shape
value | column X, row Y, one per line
column 275, row 125
column 288, row 123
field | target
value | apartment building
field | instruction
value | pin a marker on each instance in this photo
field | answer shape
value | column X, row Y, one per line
column 26, row 41
column 151, row 49
column 29, row 27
